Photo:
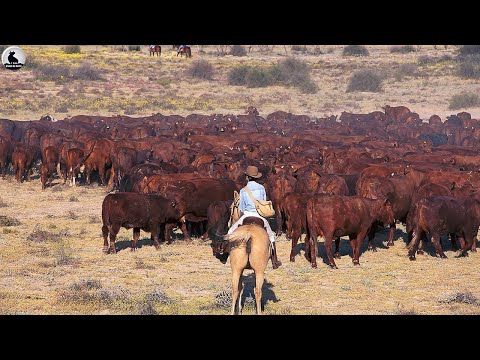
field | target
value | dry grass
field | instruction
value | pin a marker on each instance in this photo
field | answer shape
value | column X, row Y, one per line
column 59, row 271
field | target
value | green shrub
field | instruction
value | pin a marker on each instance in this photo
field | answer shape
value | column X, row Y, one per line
column 238, row 75
column 238, row 50
column 71, row 49
column 404, row 49
column 355, row 50
column 464, row 100
column 469, row 50
column 365, row 80
column 258, row 77
column 201, row 69
column 469, row 69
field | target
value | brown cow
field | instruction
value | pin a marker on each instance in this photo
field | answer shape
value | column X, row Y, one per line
column 439, row 215
column 295, row 209
column 22, row 160
column 277, row 187
column 218, row 215
column 396, row 112
column 5, row 154
column 137, row 211
column 74, row 159
column 335, row 216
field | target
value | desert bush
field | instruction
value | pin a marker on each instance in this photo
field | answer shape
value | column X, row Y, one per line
column 258, row 77
column 63, row 254
column 133, row 47
column 165, row 82
column 87, row 71
column 459, row 297
column 57, row 73
column 72, row 215
column 9, row 231
column 3, row 203
column 464, row 100
column 469, row 69
column 8, row 221
column 146, row 308
column 157, row 295
column 404, row 49
column 469, row 50
column 140, row 264
column 86, row 284
column 238, row 75
column 40, row 235
column 238, row 50
column 73, row 198
column 71, row 49
column 365, row 80
column 94, row 219
column 223, row 299
column 201, row 69
column 405, row 70
column 355, row 50
column 300, row 48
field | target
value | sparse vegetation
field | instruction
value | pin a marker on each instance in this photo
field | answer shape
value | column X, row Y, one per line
column 134, row 48
column 71, row 49
column 463, row 101
column 365, row 80
column 405, row 70
column 470, row 68
column 201, row 69
column 299, row 48
column 469, row 50
column 86, row 71
column 3, row 204
column 94, row 219
column 72, row 215
column 9, row 221
column 460, row 297
column 404, row 49
column 64, row 253
column 355, row 50
column 73, row 198
column 40, row 235
column 238, row 50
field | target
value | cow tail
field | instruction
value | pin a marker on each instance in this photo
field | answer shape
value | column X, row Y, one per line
column 311, row 227
column 86, row 156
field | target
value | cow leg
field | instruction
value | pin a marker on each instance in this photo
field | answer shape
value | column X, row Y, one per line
column 390, row 236
column 136, row 236
column 101, row 172
column 105, row 238
column 110, row 184
column 466, row 242
column 474, row 245
column 453, row 240
column 168, row 232
column 358, row 244
column 114, row 229
column 155, row 228
column 279, row 220
column 337, row 248
column 328, row 249
column 185, row 232
column 438, row 246
column 295, row 237
column 371, row 236
column 414, row 243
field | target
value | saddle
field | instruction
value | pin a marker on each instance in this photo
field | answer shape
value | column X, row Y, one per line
column 253, row 220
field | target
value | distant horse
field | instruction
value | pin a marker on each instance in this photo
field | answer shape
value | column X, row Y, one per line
column 249, row 248
column 185, row 50
column 155, row 49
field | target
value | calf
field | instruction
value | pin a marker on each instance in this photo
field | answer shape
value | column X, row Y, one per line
column 137, row 211
column 335, row 216
column 22, row 160
column 439, row 215
column 46, row 175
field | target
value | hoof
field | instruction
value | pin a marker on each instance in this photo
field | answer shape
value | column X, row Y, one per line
column 442, row 256
column 473, row 250
column 412, row 257
column 314, row 265
column 390, row 243
column 337, row 256
column 420, row 252
column 333, row 266
column 113, row 250
column 105, row 249
column 462, row 254
column 356, row 262
column 278, row 233
column 292, row 258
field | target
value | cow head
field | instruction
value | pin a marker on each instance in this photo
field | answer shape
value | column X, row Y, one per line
column 386, row 215
column 221, row 249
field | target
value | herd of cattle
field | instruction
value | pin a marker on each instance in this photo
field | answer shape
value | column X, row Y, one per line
column 326, row 176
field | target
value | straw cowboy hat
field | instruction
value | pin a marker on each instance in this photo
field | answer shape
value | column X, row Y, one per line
column 252, row 171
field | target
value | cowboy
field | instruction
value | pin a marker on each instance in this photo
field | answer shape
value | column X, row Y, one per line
column 247, row 208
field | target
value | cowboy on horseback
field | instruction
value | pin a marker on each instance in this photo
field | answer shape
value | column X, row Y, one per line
column 247, row 208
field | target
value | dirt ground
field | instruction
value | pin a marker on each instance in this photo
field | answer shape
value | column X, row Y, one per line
column 52, row 263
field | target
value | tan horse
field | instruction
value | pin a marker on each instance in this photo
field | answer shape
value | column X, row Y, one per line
column 249, row 249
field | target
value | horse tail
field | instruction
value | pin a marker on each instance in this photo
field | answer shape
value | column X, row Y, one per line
column 241, row 236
